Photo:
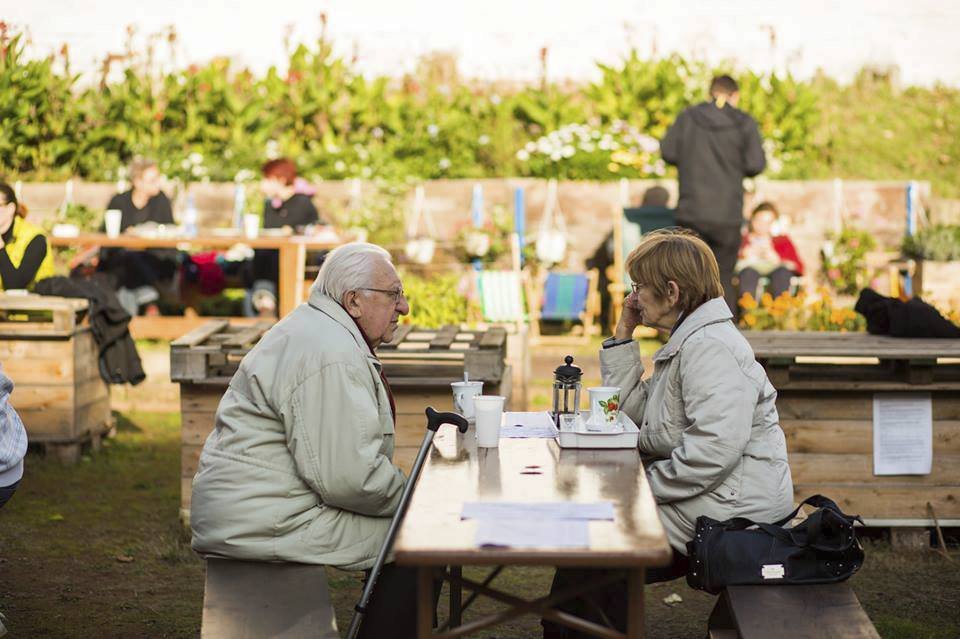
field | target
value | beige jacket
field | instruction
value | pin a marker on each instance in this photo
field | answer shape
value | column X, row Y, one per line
column 709, row 431
column 298, row 467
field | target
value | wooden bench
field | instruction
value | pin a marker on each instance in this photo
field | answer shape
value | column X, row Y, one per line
column 251, row 600
column 795, row 612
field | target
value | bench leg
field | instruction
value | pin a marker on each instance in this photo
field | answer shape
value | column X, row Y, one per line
column 424, row 603
column 721, row 624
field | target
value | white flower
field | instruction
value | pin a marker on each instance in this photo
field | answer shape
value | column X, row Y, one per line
column 587, row 146
column 530, row 147
column 567, row 151
column 495, row 99
column 195, row 158
column 339, row 166
column 377, row 132
column 556, row 156
column 444, row 164
column 185, row 164
column 432, row 130
column 483, row 140
column 523, row 155
column 272, row 150
column 366, row 172
column 243, row 175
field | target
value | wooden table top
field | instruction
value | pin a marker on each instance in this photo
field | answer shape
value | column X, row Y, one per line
column 767, row 344
column 457, row 471
column 204, row 239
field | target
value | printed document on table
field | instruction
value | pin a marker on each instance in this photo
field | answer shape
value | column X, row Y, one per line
column 515, row 533
column 537, row 511
column 529, row 425
column 902, row 434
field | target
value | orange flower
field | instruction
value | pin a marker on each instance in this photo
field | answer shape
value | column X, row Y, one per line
column 750, row 320
column 747, row 302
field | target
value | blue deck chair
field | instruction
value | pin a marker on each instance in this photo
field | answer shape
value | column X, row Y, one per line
column 571, row 297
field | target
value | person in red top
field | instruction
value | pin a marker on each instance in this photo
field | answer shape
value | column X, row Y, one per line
column 766, row 253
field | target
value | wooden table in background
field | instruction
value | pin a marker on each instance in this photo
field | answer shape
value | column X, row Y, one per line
column 433, row 536
column 292, row 249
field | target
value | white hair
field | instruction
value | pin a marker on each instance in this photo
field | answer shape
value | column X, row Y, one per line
column 348, row 268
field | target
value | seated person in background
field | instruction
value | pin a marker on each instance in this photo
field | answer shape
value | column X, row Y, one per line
column 285, row 205
column 136, row 274
column 25, row 256
column 710, row 436
column 766, row 253
column 299, row 465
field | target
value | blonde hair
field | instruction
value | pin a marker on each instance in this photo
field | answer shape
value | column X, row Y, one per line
column 682, row 257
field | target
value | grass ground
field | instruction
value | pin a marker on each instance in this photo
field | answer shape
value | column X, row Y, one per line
column 96, row 550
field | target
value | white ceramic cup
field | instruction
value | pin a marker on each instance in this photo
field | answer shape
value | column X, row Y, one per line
column 463, row 394
column 251, row 226
column 489, row 415
column 604, row 407
column 111, row 220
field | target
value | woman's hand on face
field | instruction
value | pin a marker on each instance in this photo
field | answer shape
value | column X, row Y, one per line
column 630, row 318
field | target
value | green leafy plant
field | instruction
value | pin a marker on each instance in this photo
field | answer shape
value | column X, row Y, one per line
column 940, row 243
column 844, row 265
column 435, row 301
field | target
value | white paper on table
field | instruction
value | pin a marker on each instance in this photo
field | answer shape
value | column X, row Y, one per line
column 528, row 425
column 902, row 434
column 514, row 533
column 551, row 511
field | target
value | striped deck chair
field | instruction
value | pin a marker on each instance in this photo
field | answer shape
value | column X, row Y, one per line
column 566, row 297
column 501, row 296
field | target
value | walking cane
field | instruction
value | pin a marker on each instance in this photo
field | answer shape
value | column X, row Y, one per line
column 434, row 420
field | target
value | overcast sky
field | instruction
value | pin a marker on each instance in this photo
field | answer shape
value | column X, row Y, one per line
column 501, row 38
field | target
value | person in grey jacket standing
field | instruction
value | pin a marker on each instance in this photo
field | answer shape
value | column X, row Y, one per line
column 13, row 443
column 299, row 467
column 714, row 146
column 710, row 436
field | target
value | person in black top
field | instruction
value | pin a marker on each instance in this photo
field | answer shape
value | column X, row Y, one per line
column 714, row 146
column 285, row 205
column 139, row 272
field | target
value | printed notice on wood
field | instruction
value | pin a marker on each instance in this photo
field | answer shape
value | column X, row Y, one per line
column 902, row 434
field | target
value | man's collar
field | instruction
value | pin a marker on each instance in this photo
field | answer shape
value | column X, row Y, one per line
column 329, row 306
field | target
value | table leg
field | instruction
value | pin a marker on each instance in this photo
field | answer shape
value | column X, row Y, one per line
column 456, row 597
column 290, row 286
column 635, row 584
column 424, row 603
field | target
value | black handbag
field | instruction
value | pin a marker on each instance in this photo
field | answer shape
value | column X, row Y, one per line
column 821, row 549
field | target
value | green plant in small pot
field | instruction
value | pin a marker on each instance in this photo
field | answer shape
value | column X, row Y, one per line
column 844, row 260
column 940, row 243
column 487, row 243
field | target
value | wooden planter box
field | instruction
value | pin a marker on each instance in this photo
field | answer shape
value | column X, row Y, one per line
column 420, row 366
column 50, row 354
column 825, row 387
column 938, row 283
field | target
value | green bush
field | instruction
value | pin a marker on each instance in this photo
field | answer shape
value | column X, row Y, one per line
column 940, row 243
column 435, row 301
column 212, row 121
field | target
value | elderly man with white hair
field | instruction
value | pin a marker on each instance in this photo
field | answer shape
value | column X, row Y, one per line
column 298, row 467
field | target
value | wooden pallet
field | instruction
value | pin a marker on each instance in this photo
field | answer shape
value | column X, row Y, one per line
column 825, row 387
column 415, row 356
column 213, row 350
column 48, row 350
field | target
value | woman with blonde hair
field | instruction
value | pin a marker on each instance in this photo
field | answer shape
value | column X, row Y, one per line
column 710, row 436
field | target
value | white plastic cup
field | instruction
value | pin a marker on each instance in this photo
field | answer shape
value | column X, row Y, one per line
column 463, row 395
column 251, row 226
column 111, row 220
column 604, row 407
column 489, row 415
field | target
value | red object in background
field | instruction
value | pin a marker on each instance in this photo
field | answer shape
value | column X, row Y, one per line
column 784, row 248
column 205, row 271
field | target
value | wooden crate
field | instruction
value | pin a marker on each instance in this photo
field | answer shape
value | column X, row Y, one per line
column 825, row 387
column 48, row 351
column 204, row 360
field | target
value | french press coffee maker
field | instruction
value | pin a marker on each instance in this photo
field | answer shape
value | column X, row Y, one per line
column 566, row 390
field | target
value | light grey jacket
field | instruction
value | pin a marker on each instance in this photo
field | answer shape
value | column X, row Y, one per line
column 709, row 431
column 298, row 467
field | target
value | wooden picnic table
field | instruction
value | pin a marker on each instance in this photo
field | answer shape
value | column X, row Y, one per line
column 826, row 384
column 433, row 536
column 292, row 250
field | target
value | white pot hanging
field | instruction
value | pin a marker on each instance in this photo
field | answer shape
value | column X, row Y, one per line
column 551, row 239
column 419, row 249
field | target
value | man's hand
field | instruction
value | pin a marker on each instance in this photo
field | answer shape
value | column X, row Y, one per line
column 630, row 318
